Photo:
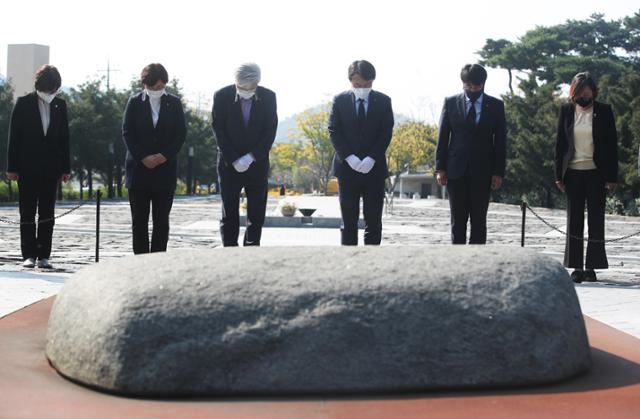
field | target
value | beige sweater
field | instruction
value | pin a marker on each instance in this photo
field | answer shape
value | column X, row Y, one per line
column 582, row 140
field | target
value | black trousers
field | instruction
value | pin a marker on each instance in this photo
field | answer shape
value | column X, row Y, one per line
column 469, row 199
column 160, row 202
column 371, row 189
column 585, row 186
column 255, row 184
column 37, row 193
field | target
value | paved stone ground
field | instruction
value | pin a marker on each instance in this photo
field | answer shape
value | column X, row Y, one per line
column 194, row 224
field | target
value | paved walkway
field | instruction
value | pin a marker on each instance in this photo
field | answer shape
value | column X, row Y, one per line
column 614, row 300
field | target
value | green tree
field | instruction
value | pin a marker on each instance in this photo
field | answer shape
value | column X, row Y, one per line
column 89, row 144
column 6, row 107
column 413, row 145
column 317, row 150
column 544, row 60
column 285, row 159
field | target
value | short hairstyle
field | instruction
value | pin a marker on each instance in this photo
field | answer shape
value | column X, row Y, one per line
column 578, row 84
column 47, row 79
column 248, row 74
column 474, row 74
column 152, row 73
column 362, row 68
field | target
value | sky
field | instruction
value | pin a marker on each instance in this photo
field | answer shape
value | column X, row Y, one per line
column 303, row 47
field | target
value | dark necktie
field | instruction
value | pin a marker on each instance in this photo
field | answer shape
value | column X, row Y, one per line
column 471, row 116
column 362, row 116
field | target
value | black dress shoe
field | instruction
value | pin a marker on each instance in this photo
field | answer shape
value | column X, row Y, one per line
column 590, row 275
column 577, row 276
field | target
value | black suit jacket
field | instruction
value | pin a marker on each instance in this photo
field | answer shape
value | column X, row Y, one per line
column 142, row 140
column 30, row 151
column 605, row 141
column 233, row 138
column 347, row 138
column 481, row 147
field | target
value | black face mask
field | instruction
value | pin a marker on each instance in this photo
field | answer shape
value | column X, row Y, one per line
column 473, row 96
column 584, row 101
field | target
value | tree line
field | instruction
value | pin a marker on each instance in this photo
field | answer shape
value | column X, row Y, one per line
column 540, row 65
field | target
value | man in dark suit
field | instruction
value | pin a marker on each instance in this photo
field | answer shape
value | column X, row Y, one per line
column 360, row 126
column 244, row 120
column 470, row 156
column 38, row 158
column 153, row 130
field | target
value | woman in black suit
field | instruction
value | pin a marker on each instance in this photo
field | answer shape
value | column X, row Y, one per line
column 153, row 130
column 38, row 158
column 586, row 166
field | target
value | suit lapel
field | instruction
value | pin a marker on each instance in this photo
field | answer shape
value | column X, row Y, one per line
column 53, row 117
column 350, row 104
column 146, row 110
column 163, row 111
column 460, row 106
column 255, row 108
column 484, row 113
column 372, row 107
column 596, row 121
column 35, row 112
column 236, row 113
column 570, row 123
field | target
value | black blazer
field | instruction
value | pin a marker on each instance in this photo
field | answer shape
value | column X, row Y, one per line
column 605, row 141
column 233, row 138
column 29, row 151
column 481, row 147
column 347, row 138
column 142, row 140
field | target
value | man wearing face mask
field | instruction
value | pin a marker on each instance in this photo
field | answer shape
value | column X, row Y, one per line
column 244, row 121
column 38, row 158
column 360, row 126
column 153, row 130
column 471, row 153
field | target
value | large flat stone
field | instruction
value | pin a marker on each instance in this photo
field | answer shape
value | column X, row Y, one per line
column 319, row 320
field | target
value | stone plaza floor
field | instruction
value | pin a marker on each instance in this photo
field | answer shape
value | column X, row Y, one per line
column 614, row 300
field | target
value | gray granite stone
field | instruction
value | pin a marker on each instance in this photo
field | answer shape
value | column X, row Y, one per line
column 318, row 320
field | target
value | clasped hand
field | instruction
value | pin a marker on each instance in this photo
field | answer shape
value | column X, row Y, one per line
column 154, row 160
column 363, row 166
column 243, row 163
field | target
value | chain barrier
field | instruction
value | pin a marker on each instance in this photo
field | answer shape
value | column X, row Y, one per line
column 551, row 226
column 46, row 220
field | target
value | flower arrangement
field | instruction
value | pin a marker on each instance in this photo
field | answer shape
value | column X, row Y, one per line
column 288, row 209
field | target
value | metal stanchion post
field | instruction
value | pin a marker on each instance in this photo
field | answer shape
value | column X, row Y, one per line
column 523, row 207
column 190, row 188
column 98, row 196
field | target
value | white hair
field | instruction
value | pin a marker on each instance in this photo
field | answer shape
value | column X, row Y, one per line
column 248, row 74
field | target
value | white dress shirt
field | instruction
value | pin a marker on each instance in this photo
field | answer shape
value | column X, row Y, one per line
column 45, row 114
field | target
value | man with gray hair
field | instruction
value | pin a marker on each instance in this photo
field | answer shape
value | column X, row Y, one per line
column 244, row 120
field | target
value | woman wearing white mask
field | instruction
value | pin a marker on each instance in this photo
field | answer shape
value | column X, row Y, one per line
column 38, row 158
column 153, row 130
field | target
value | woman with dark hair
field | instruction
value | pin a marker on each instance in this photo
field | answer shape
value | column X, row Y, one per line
column 38, row 158
column 586, row 166
column 153, row 131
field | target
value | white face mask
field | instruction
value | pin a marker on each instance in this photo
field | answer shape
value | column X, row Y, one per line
column 47, row 97
column 154, row 94
column 361, row 92
column 246, row 94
